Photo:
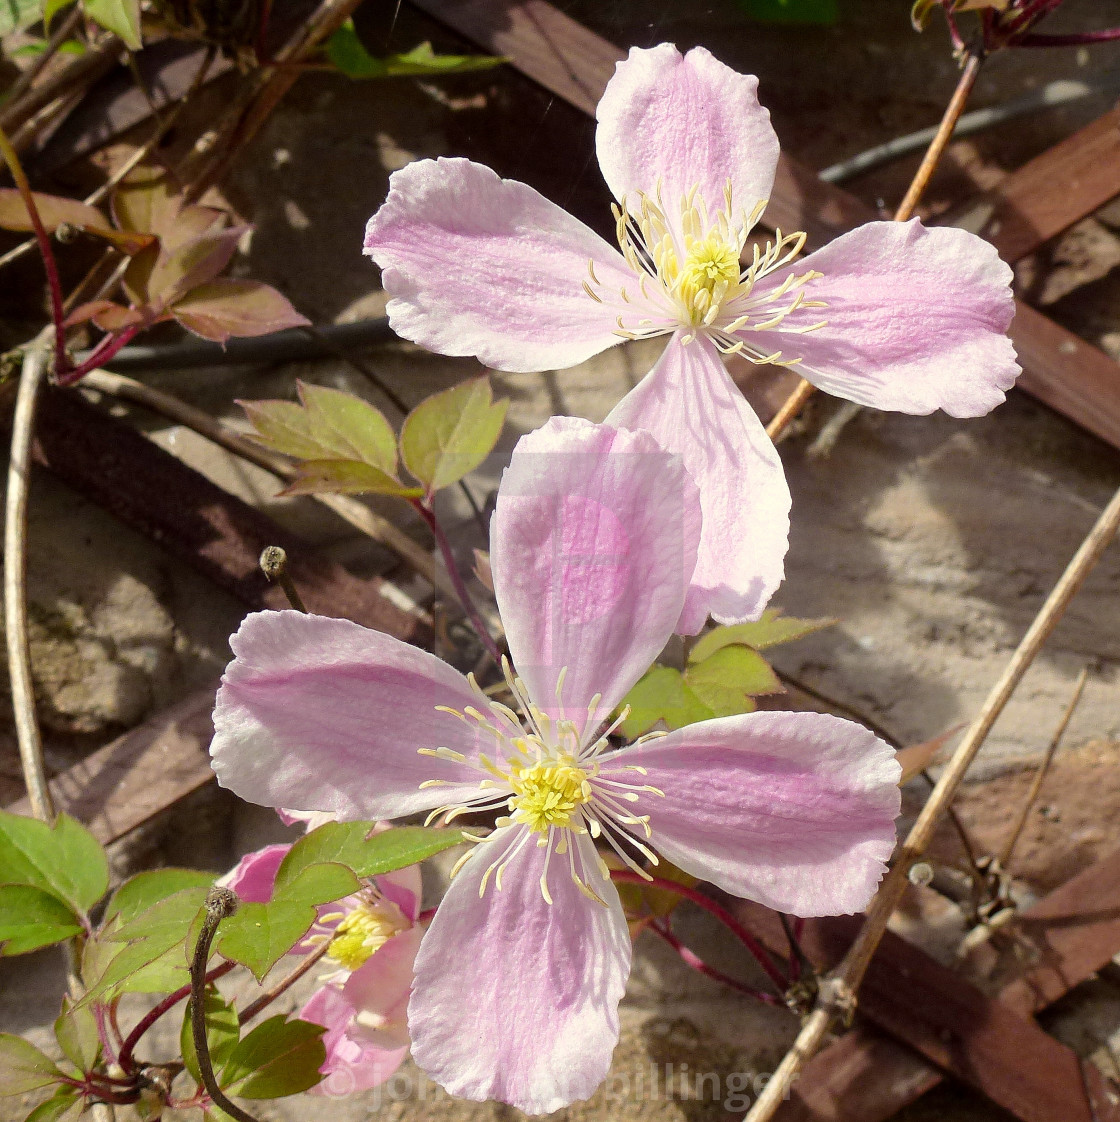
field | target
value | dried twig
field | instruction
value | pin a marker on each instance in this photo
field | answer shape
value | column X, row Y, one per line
column 839, row 987
column 35, row 367
column 804, row 390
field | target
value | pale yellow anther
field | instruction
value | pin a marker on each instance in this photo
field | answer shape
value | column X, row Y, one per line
column 364, row 930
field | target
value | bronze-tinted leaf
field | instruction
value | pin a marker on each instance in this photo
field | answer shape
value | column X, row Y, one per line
column 223, row 308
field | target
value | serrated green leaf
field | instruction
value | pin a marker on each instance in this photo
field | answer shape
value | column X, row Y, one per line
column 727, row 681
column 15, row 15
column 119, row 16
column 351, row 844
column 222, row 1032
column 66, row 859
column 276, row 1059
column 661, row 694
column 31, row 918
column 153, row 943
column 344, row 443
column 773, row 628
column 51, row 8
column 63, row 1105
column 141, row 891
column 76, row 1032
column 346, row 477
column 259, row 935
column 23, row 1067
column 347, row 54
column 451, row 433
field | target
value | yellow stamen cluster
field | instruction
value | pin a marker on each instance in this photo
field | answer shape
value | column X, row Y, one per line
column 692, row 269
column 362, row 931
column 548, row 793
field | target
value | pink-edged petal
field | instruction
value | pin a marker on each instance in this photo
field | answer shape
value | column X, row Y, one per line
column 689, row 403
column 254, row 875
column 380, row 989
column 916, row 320
column 479, row 265
column 353, row 1062
column 323, row 714
column 311, row 819
column 794, row 810
column 403, row 888
column 516, row 999
column 592, row 546
column 669, row 124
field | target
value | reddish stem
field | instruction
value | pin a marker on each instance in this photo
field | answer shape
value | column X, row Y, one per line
column 625, row 876
column 101, row 354
column 158, row 1010
column 54, row 283
column 457, row 581
column 266, row 999
column 690, row 958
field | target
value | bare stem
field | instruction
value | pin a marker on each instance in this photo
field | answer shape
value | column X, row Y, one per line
column 804, row 390
column 461, row 593
column 840, row 985
column 266, row 999
column 220, row 903
column 274, row 565
column 625, row 876
column 1005, row 853
column 693, row 960
column 54, row 284
column 1082, row 38
column 15, row 587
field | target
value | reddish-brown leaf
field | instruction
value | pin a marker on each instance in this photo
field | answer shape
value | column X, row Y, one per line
column 191, row 264
column 53, row 210
column 235, row 307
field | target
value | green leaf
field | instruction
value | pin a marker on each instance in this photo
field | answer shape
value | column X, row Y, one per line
column 66, row 859
column 31, row 918
column 51, row 8
column 726, row 681
column 236, row 307
column 451, row 433
column 76, row 1032
column 140, row 892
column 825, row 12
column 346, row 477
column 154, row 938
column 368, row 855
column 347, row 55
column 15, row 15
column 772, row 629
column 65, row 1103
column 259, row 935
column 661, row 694
column 38, row 47
column 345, row 444
column 23, row 1067
column 276, row 1059
column 222, row 1031
column 119, row 16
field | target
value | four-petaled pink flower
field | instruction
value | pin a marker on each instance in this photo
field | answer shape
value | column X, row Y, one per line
column 891, row 315
column 372, row 938
column 518, row 979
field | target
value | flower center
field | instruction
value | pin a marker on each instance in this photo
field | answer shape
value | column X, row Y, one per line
column 365, row 929
column 548, row 793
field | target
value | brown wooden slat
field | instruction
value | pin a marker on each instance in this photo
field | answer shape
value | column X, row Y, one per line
column 573, row 62
column 1050, row 193
column 140, row 774
column 219, row 535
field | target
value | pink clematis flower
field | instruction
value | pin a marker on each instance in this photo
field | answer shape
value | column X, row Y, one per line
column 372, row 938
column 891, row 315
column 519, row 976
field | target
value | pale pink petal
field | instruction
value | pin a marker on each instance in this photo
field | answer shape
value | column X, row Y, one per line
column 479, row 265
column 916, row 320
column 253, row 876
column 593, row 542
column 403, row 888
column 794, row 810
column 381, row 987
column 689, row 403
column 670, row 124
column 323, row 714
column 311, row 819
column 516, row 999
column 353, row 1063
